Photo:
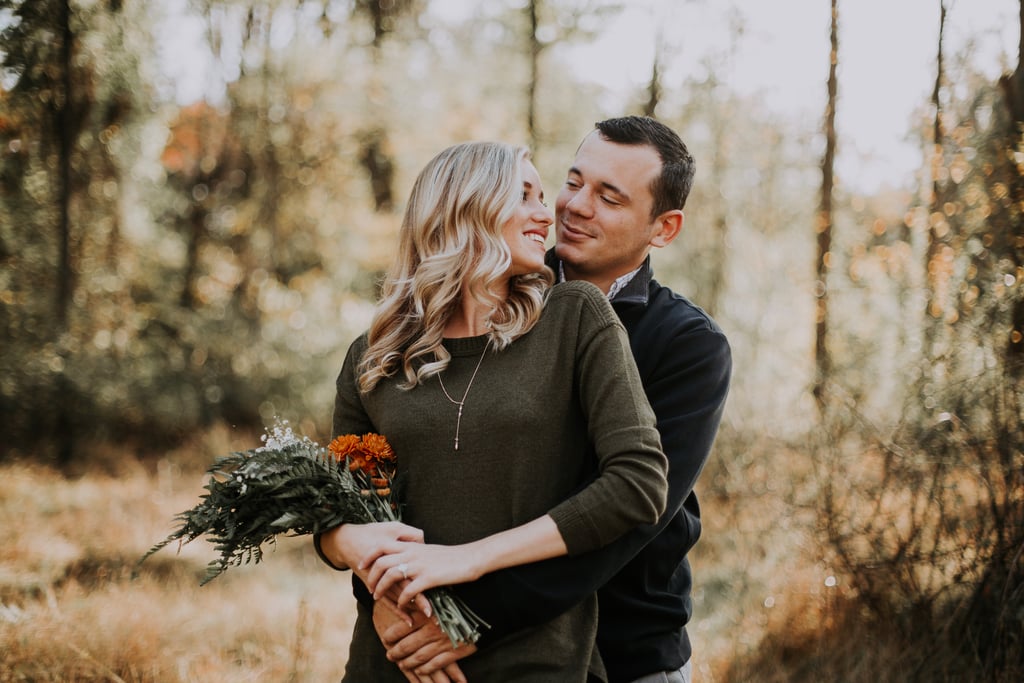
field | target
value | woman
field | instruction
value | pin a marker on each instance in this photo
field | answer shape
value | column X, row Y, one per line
column 500, row 394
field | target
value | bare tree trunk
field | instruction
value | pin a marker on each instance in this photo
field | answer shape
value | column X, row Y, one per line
column 822, row 359
column 1013, row 84
column 1015, row 347
column 199, row 187
column 934, row 304
column 65, row 136
column 197, row 230
column 268, row 160
column 67, row 125
column 379, row 167
column 718, row 252
column 375, row 155
column 117, row 110
column 654, row 86
column 536, row 47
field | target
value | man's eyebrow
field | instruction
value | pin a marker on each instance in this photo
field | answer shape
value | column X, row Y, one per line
column 614, row 189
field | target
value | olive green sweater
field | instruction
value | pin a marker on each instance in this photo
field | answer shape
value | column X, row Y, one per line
column 561, row 402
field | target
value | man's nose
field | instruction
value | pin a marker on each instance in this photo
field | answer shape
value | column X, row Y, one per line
column 581, row 202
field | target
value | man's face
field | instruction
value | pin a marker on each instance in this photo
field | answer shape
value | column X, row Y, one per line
column 603, row 225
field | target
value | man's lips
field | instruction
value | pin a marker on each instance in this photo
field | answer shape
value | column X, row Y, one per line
column 572, row 232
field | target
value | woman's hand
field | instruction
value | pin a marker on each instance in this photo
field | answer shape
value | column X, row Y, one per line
column 427, row 566
column 423, row 566
column 349, row 545
column 355, row 545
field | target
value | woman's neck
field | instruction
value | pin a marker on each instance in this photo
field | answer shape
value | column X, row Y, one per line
column 470, row 319
column 467, row 321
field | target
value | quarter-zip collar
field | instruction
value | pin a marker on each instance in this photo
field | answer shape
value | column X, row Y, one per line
column 635, row 293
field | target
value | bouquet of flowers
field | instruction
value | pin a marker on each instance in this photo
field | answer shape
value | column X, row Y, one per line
column 293, row 485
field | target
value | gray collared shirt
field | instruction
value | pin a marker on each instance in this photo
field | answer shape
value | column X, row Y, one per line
column 616, row 287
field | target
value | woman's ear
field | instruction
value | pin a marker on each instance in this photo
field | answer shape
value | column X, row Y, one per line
column 668, row 226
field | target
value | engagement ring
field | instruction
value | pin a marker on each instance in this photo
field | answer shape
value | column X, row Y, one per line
column 402, row 568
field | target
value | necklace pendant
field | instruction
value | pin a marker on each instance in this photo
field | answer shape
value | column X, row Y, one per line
column 462, row 403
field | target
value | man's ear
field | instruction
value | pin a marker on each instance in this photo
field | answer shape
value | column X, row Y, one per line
column 667, row 227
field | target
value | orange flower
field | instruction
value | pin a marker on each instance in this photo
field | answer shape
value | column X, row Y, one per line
column 377, row 448
column 357, row 461
column 365, row 453
column 344, row 445
column 375, row 454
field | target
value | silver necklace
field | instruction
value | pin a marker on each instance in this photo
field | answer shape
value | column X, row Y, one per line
column 460, row 404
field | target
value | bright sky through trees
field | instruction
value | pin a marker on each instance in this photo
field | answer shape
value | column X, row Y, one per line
column 776, row 50
column 887, row 62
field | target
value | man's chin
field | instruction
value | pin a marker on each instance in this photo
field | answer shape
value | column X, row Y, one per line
column 566, row 252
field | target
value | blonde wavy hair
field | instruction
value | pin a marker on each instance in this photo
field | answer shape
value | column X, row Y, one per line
column 451, row 242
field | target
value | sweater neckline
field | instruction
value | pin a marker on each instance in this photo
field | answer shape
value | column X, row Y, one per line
column 465, row 346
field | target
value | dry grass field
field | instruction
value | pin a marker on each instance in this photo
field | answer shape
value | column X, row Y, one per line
column 71, row 610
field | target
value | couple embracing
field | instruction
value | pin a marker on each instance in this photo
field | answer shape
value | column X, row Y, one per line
column 551, row 412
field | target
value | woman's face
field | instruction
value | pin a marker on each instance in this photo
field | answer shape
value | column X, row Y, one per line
column 527, row 230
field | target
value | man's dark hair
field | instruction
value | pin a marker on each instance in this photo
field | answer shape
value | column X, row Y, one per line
column 672, row 187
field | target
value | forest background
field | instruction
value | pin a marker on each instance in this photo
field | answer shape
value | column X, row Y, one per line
column 174, row 275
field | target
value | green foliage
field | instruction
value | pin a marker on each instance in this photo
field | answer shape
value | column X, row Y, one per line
column 293, row 486
column 925, row 515
column 64, row 134
column 252, row 496
column 221, row 255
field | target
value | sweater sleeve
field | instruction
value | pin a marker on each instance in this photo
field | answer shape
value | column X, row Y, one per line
column 349, row 413
column 349, row 418
column 687, row 390
column 631, row 486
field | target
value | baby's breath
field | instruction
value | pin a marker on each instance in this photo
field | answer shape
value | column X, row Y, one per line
column 280, row 436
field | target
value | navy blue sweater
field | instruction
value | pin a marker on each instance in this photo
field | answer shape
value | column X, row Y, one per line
column 643, row 579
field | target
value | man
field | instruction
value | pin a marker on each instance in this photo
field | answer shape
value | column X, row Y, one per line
column 623, row 195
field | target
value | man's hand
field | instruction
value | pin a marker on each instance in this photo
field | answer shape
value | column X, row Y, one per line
column 421, row 650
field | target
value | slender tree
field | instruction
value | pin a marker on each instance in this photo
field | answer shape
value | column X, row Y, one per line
column 654, row 89
column 375, row 153
column 935, row 274
column 68, row 124
column 536, row 47
column 723, row 142
column 1013, row 86
column 69, row 99
column 40, row 52
column 823, row 227
column 540, row 25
